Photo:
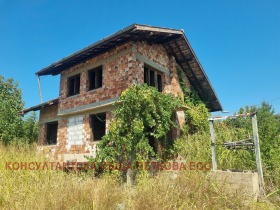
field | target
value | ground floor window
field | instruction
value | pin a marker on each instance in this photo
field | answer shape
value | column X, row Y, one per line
column 52, row 132
column 98, row 126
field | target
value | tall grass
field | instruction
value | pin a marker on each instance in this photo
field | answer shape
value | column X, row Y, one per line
column 197, row 148
column 52, row 189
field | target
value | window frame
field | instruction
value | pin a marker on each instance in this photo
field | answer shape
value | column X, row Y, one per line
column 75, row 85
column 98, row 116
column 97, row 74
column 49, row 141
column 155, row 75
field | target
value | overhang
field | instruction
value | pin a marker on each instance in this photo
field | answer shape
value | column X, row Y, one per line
column 174, row 41
column 40, row 106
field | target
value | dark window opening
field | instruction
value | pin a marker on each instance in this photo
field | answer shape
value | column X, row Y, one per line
column 152, row 78
column 52, row 133
column 152, row 143
column 98, row 126
column 74, row 85
column 146, row 75
column 159, row 83
column 95, row 78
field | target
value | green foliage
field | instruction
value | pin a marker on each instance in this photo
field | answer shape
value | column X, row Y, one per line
column 269, row 135
column 197, row 118
column 196, row 147
column 11, row 124
column 233, row 159
column 198, row 114
column 190, row 95
column 144, row 115
column 31, row 127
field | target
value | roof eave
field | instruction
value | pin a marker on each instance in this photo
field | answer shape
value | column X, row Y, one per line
column 125, row 35
column 39, row 106
column 207, row 79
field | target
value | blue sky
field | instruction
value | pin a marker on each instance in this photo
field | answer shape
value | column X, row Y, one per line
column 236, row 41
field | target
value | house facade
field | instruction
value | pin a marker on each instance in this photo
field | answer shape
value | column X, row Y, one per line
column 92, row 79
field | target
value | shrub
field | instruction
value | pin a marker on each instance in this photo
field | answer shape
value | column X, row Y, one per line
column 139, row 130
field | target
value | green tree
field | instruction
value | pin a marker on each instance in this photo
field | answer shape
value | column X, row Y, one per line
column 11, row 123
column 31, row 127
column 198, row 114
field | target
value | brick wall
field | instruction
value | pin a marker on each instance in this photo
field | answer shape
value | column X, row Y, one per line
column 120, row 70
column 75, row 137
column 118, row 74
column 47, row 114
column 157, row 54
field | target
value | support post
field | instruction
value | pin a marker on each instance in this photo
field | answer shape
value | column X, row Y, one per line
column 40, row 90
column 258, row 154
column 213, row 145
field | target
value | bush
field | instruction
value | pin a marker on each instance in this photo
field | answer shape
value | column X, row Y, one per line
column 139, row 130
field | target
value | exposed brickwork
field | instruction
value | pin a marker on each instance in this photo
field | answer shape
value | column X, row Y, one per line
column 75, row 132
column 154, row 52
column 75, row 137
column 157, row 54
column 42, row 134
column 47, row 114
column 118, row 74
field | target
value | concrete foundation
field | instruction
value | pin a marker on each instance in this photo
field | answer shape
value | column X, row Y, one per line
column 239, row 182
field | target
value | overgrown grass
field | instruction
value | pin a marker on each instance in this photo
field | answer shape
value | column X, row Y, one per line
column 197, row 148
column 51, row 189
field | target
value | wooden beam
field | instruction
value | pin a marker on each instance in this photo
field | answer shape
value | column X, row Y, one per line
column 40, row 89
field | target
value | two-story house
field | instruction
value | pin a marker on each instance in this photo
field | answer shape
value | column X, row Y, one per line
column 92, row 79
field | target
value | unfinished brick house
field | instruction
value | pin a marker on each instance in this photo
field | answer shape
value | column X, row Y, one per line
column 92, row 79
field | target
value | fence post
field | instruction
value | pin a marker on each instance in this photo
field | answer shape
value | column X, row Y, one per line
column 213, row 145
column 258, row 154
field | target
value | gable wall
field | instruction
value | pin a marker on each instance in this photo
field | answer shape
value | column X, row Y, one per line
column 157, row 54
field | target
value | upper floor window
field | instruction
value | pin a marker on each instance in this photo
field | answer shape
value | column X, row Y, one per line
column 152, row 78
column 74, row 85
column 95, row 78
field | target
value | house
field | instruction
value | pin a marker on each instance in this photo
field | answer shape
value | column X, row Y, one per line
column 92, row 79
